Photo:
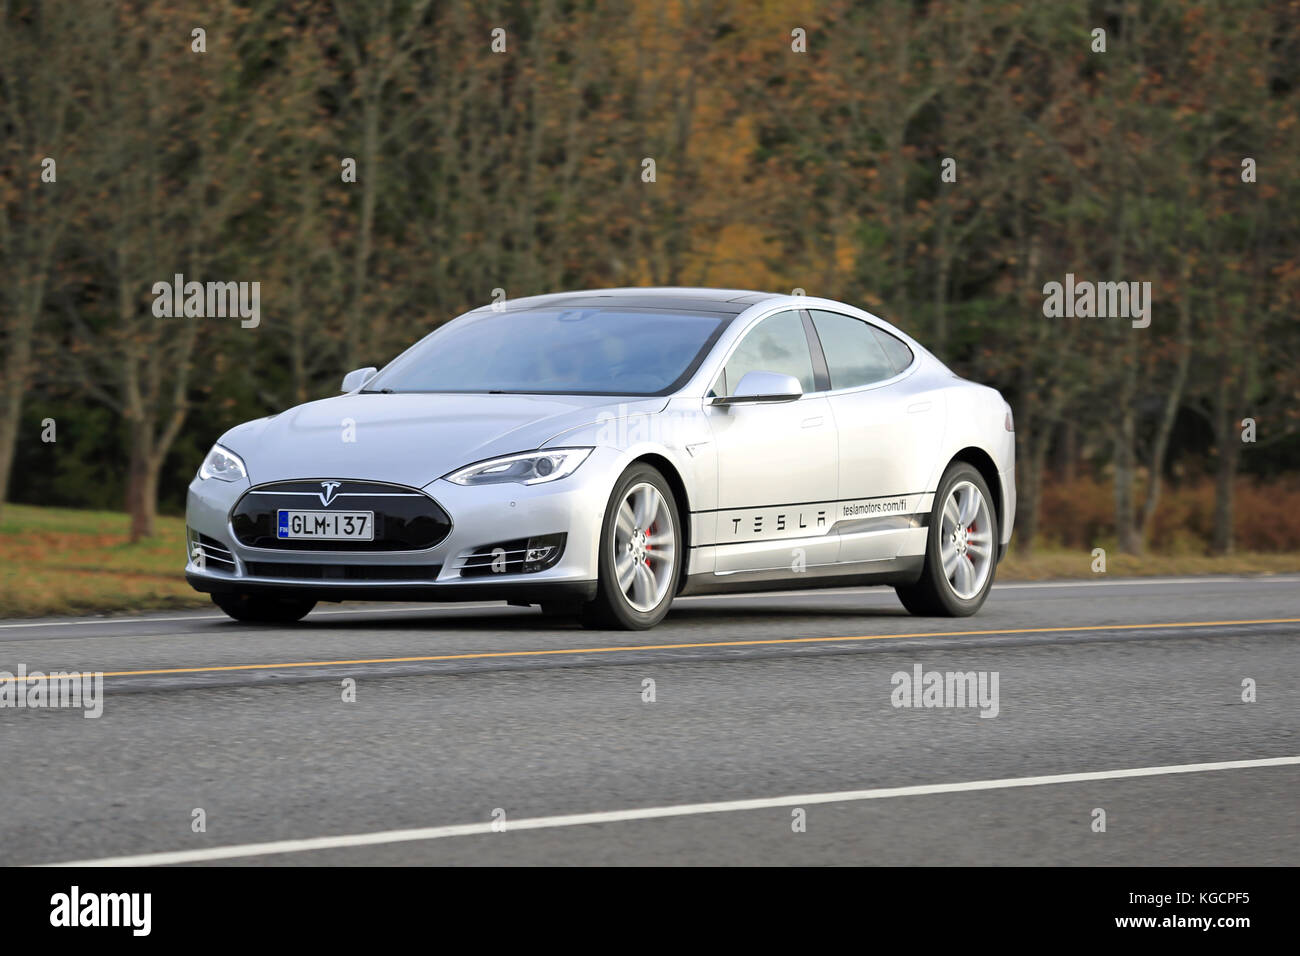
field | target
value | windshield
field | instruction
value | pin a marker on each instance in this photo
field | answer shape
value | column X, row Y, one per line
column 563, row 351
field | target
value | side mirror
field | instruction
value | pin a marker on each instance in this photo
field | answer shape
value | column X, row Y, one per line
column 358, row 377
column 763, row 387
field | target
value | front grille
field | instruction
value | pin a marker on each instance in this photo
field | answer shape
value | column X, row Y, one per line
column 405, row 519
column 344, row 572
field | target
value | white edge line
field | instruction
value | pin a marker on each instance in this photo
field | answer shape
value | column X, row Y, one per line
column 652, row 813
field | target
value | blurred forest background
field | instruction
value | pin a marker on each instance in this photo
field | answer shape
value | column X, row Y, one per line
column 774, row 169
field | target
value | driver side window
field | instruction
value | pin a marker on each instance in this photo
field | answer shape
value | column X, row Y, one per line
column 777, row 344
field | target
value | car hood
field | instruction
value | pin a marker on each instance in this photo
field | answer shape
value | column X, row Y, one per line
column 411, row 439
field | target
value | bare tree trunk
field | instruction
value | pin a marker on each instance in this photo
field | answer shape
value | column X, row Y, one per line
column 34, row 114
column 1125, row 473
column 1125, row 426
column 1029, row 502
column 944, row 255
column 18, row 340
column 1225, row 473
column 369, row 176
column 1221, row 541
column 1173, row 401
column 1070, row 453
column 17, row 374
column 141, row 481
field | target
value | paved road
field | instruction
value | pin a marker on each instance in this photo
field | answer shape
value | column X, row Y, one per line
column 783, row 700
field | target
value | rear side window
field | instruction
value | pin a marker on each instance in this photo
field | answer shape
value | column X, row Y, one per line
column 895, row 348
column 853, row 353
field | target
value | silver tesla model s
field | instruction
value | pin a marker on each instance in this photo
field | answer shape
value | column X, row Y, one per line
column 599, row 453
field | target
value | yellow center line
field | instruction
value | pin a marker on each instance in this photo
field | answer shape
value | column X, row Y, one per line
column 482, row 655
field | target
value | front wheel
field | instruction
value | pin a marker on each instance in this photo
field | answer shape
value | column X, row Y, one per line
column 640, row 554
column 263, row 609
column 961, row 550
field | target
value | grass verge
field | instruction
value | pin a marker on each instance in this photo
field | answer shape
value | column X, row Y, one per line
column 65, row 561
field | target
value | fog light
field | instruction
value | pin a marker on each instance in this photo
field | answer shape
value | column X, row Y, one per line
column 542, row 552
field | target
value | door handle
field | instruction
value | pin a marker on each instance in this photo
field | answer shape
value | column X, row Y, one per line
column 814, row 422
column 918, row 407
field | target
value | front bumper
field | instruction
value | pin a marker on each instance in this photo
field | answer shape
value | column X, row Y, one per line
column 481, row 518
column 529, row 592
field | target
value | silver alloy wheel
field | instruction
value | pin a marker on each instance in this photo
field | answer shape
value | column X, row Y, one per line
column 644, row 547
column 966, row 540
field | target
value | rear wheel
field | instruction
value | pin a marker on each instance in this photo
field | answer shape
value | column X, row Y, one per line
column 640, row 554
column 961, row 551
column 262, row 608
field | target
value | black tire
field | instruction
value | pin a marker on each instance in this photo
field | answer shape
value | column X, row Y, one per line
column 611, row 608
column 933, row 595
column 262, row 608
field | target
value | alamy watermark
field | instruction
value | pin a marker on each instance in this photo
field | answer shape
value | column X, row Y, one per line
column 36, row 690
column 1102, row 300
column 208, row 300
column 951, row 689
column 623, row 427
column 129, row 910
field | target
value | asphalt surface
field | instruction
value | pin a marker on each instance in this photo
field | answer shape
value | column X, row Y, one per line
column 524, row 718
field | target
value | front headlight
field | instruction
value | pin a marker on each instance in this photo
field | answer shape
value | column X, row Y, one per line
column 222, row 464
column 529, row 468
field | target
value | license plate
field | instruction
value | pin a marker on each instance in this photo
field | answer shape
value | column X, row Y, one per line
column 327, row 525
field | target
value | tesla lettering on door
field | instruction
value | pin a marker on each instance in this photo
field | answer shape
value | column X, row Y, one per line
column 797, row 522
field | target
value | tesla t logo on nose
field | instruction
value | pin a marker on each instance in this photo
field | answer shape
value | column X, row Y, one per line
column 331, row 487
